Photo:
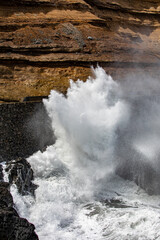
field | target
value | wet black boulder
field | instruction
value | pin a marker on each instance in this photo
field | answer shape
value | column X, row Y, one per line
column 21, row 173
column 12, row 227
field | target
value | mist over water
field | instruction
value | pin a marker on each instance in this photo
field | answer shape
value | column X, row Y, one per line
column 144, row 126
column 99, row 125
column 85, row 124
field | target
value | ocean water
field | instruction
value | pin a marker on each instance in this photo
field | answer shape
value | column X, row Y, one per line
column 79, row 195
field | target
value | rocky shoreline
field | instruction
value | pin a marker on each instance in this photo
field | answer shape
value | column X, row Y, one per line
column 24, row 129
column 44, row 44
column 12, row 226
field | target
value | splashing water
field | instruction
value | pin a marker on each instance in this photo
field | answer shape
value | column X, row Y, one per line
column 77, row 174
column 85, row 125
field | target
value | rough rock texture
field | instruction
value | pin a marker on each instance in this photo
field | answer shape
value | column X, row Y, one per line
column 1, row 172
column 44, row 43
column 11, row 225
column 21, row 173
column 24, row 129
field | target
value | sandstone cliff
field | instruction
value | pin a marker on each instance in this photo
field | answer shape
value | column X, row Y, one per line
column 44, row 43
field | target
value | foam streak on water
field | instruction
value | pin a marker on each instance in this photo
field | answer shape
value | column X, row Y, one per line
column 76, row 174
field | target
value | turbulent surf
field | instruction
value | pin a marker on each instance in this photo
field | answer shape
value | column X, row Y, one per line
column 80, row 195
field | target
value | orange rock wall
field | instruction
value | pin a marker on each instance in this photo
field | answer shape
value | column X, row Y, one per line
column 45, row 43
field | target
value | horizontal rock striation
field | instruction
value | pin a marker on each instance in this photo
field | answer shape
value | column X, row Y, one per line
column 45, row 43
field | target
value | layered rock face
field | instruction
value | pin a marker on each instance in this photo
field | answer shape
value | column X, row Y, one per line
column 45, row 43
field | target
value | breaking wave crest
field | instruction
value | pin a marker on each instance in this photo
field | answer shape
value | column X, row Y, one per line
column 79, row 194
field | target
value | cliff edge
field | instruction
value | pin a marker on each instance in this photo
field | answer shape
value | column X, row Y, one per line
column 45, row 43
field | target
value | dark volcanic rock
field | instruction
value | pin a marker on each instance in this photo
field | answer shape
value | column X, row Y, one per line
column 12, row 227
column 5, row 196
column 21, row 174
column 25, row 128
column 15, row 228
column 1, row 172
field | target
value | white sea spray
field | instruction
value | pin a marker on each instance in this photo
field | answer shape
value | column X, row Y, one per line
column 77, row 174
